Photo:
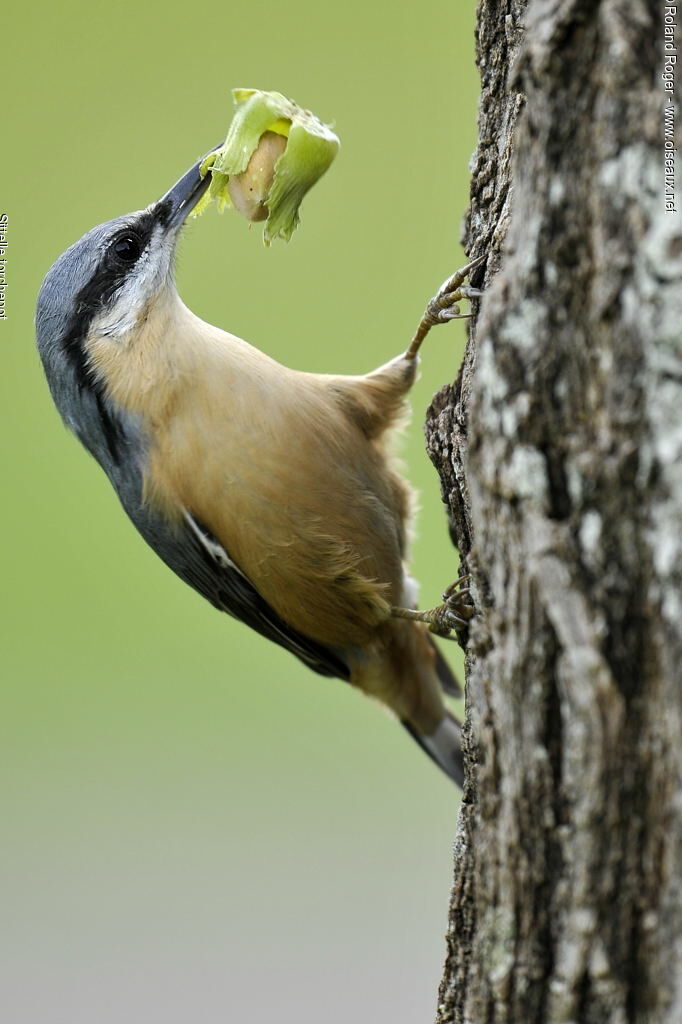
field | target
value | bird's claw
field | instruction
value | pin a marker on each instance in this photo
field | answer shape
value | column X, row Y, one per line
column 456, row 610
column 452, row 615
column 444, row 307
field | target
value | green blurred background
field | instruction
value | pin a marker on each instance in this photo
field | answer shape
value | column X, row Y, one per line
column 197, row 829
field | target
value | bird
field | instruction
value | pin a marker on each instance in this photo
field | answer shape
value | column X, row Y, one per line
column 273, row 492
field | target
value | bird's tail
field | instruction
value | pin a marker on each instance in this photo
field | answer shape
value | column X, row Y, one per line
column 444, row 746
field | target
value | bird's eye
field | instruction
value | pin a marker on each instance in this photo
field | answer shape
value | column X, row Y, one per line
column 127, row 248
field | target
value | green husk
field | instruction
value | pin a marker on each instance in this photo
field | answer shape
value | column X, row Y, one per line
column 310, row 149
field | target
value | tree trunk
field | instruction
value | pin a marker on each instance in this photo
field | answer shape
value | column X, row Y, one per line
column 560, row 454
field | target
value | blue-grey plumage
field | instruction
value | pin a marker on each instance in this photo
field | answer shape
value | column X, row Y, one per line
column 270, row 491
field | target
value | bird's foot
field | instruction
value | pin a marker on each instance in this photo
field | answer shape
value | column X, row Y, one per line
column 453, row 614
column 444, row 305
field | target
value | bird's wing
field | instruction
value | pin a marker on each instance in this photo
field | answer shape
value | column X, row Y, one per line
column 446, row 677
column 195, row 555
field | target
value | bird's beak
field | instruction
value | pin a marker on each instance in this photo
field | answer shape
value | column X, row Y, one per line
column 186, row 193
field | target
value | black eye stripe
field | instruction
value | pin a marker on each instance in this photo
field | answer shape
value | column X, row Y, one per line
column 108, row 276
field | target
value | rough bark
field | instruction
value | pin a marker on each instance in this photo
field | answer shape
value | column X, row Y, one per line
column 560, row 454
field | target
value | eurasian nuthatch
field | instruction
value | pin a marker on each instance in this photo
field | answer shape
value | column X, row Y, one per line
column 270, row 491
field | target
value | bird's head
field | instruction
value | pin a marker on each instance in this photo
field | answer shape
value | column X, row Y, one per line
column 107, row 281
column 101, row 292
